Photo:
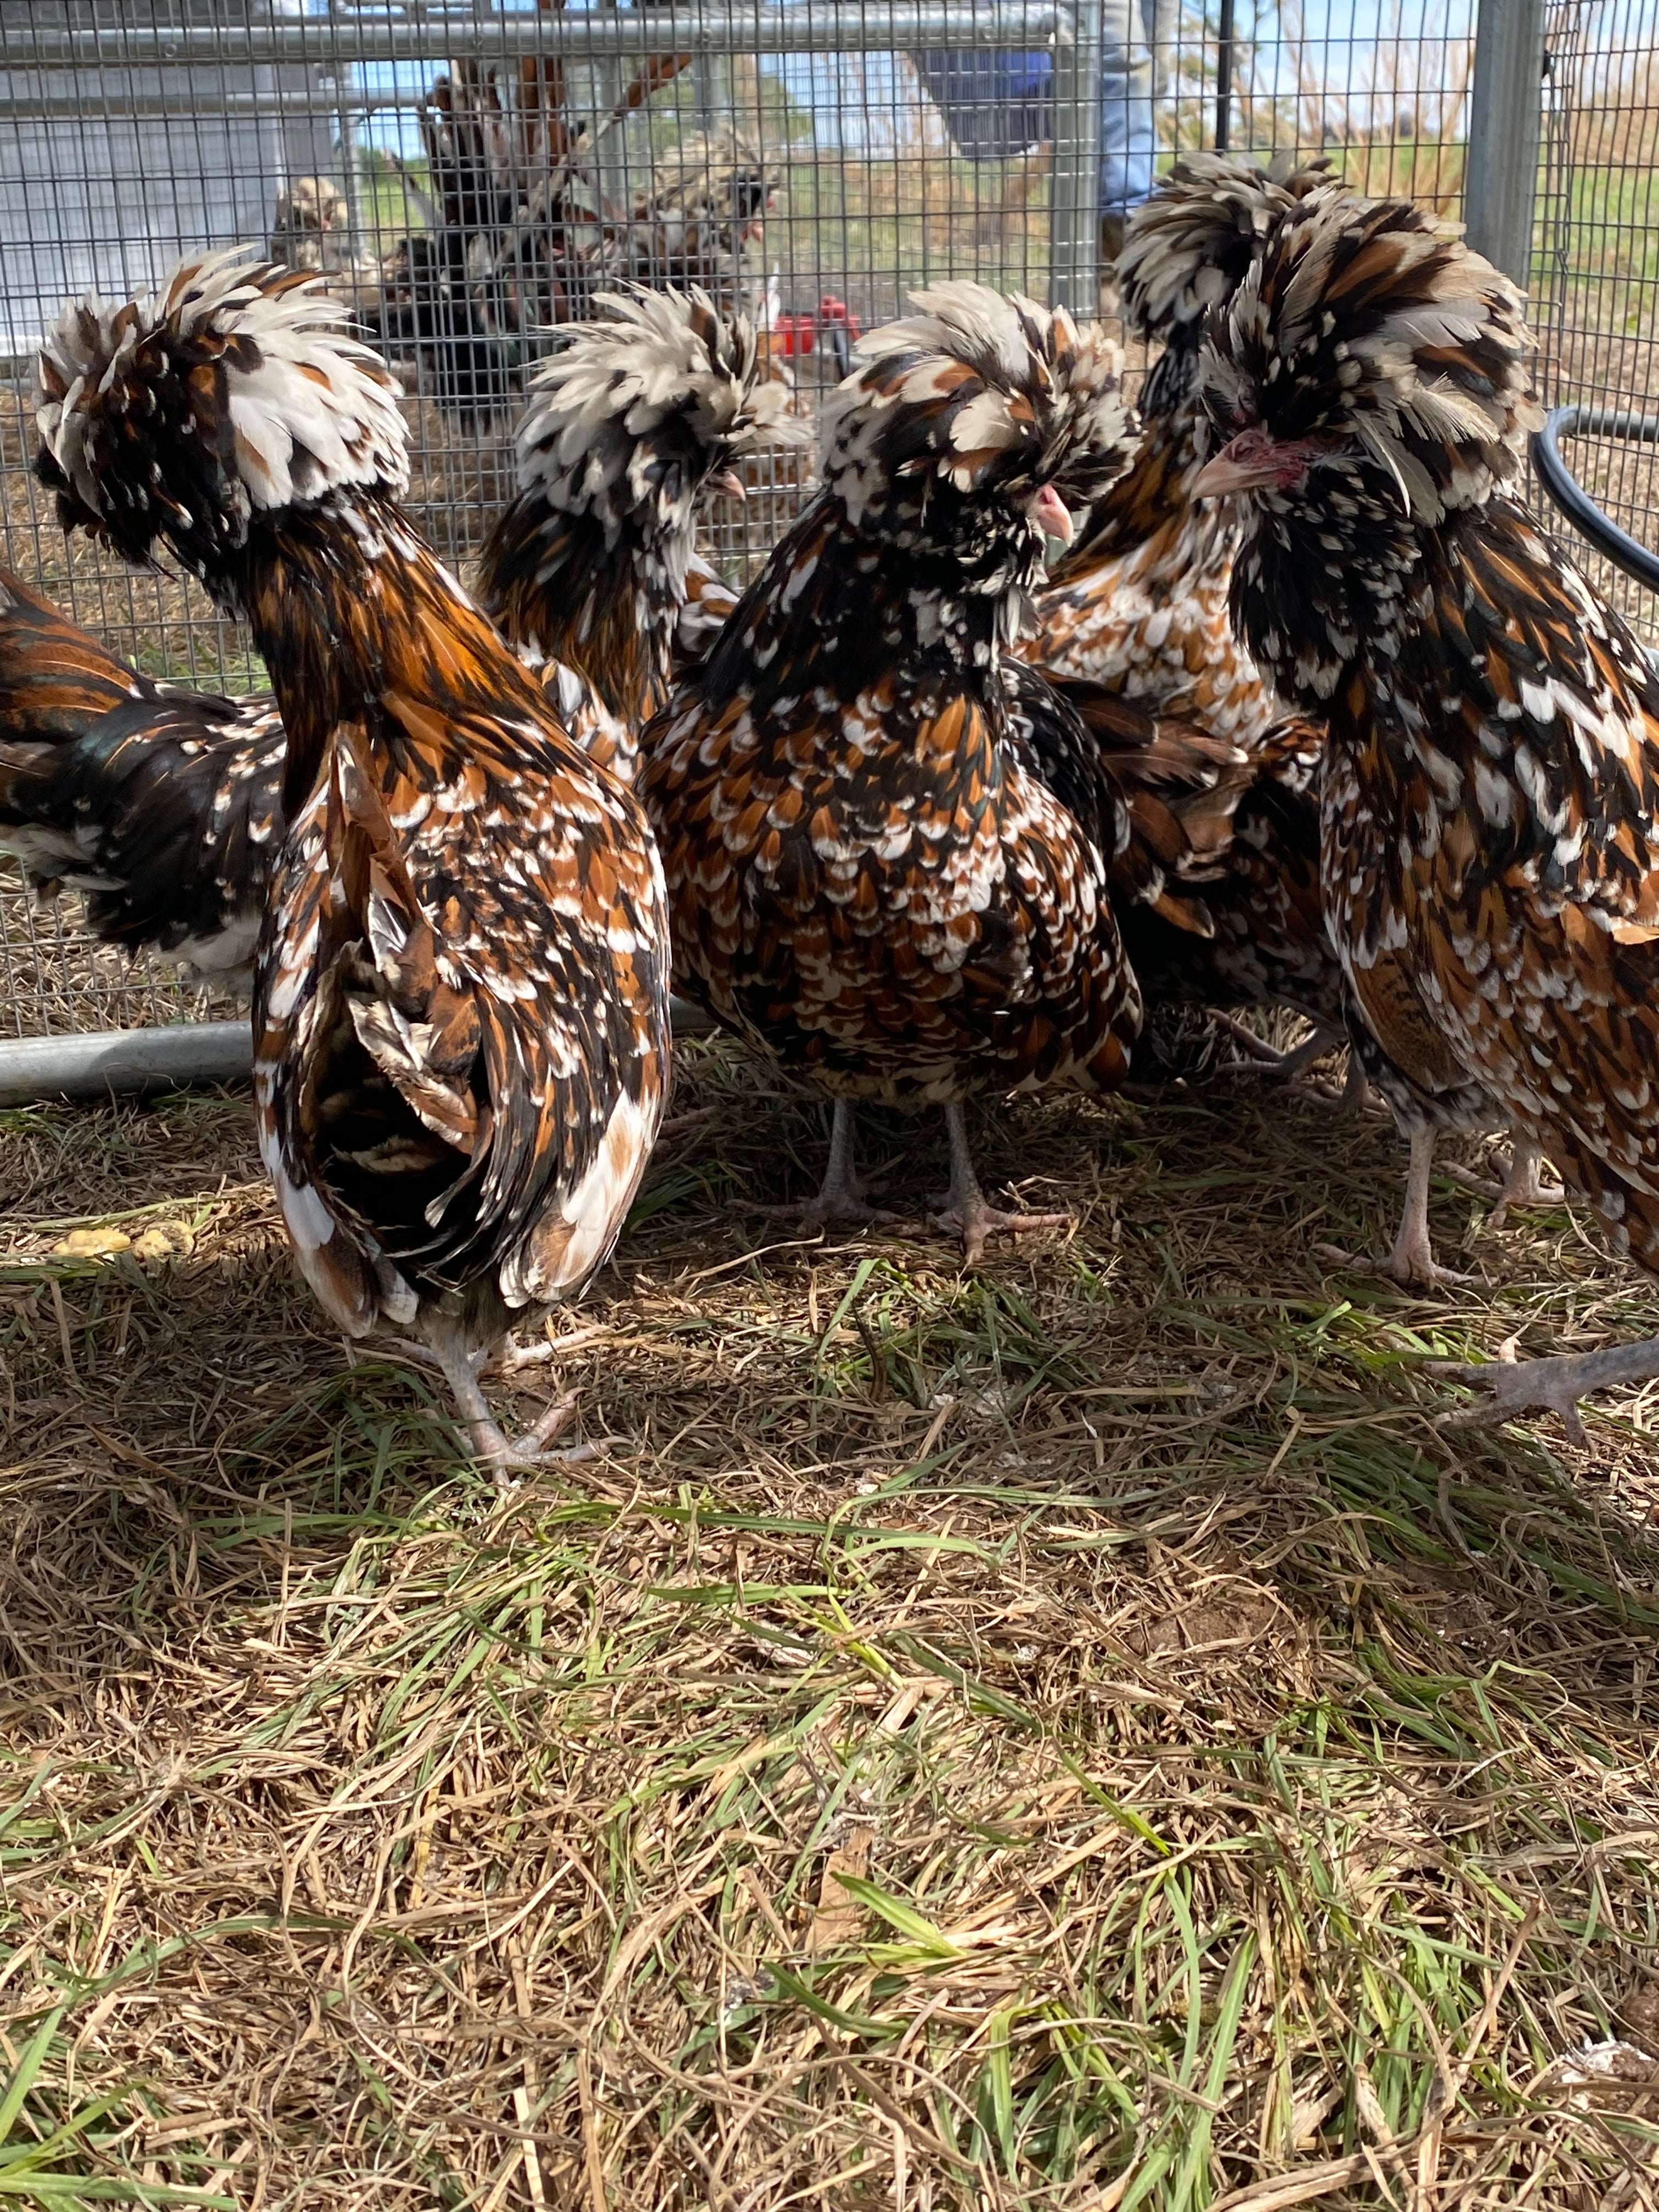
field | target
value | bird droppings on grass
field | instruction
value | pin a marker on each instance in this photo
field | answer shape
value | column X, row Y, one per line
column 1077, row 1735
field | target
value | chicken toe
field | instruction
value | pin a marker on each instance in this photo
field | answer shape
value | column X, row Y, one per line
column 1554, row 1385
column 1411, row 1262
column 506, row 1455
column 1524, row 1183
column 840, row 1196
column 964, row 1210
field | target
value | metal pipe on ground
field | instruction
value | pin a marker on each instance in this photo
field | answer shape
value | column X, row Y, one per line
column 128, row 1063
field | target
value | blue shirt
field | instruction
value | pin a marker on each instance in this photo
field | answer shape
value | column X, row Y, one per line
column 998, row 103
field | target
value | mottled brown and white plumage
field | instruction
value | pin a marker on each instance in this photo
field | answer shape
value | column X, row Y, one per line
column 1491, row 811
column 872, row 877
column 1139, row 600
column 460, row 1015
column 1428, row 1092
column 162, row 805
column 710, row 603
column 1139, row 606
column 626, row 428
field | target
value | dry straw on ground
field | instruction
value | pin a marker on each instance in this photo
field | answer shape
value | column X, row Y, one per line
column 1076, row 1737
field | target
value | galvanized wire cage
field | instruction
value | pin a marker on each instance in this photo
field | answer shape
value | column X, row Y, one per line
column 1596, row 291
column 467, row 175
column 467, row 178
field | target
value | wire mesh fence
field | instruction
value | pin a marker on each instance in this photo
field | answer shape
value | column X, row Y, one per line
column 1596, row 288
column 467, row 176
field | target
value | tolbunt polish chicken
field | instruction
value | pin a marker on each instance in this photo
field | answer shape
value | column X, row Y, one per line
column 640, row 412
column 1491, row 855
column 461, row 1003
column 871, row 878
column 161, row 805
column 1139, row 601
column 1138, row 605
column 1141, row 604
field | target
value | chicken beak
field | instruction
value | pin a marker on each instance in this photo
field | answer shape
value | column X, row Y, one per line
column 1051, row 515
column 729, row 484
column 1248, row 462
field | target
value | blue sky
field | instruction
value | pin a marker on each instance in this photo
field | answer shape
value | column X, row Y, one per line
column 1347, row 44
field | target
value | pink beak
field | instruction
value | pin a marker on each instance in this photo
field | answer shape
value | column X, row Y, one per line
column 1250, row 462
column 728, row 484
column 1051, row 515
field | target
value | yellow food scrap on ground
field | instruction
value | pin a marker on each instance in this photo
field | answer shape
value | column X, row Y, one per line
column 93, row 1243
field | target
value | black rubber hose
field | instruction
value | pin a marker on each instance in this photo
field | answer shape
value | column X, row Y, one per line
column 1575, row 502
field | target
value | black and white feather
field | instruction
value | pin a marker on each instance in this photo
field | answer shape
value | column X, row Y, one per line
column 628, row 425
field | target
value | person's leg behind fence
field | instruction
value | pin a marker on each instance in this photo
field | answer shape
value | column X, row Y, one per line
column 1126, row 133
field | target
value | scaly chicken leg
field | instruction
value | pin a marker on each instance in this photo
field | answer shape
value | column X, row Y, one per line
column 1411, row 1262
column 965, row 1207
column 1556, row 1383
column 840, row 1196
column 490, row 1442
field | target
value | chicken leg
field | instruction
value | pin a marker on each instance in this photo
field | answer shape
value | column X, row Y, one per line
column 964, row 1208
column 1411, row 1263
column 490, row 1443
column 1554, row 1385
column 840, row 1196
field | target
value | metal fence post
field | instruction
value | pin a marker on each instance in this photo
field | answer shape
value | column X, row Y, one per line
column 1224, row 77
column 1505, row 126
column 1074, row 205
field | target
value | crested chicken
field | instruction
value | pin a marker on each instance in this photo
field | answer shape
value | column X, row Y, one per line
column 872, row 877
column 639, row 413
column 461, row 1044
column 1490, row 849
column 1139, row 600
column 1141, row 604
column 161, row 805
column 1138, row 605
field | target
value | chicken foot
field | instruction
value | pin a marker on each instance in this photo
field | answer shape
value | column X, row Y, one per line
column 964, row 1208
column 841, row 1195
column 1411, row 1263
column 1522, row 1184
column 1268, row 1060
column 1554, row 1385
column 491, row 1444
column 1290, row 1067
